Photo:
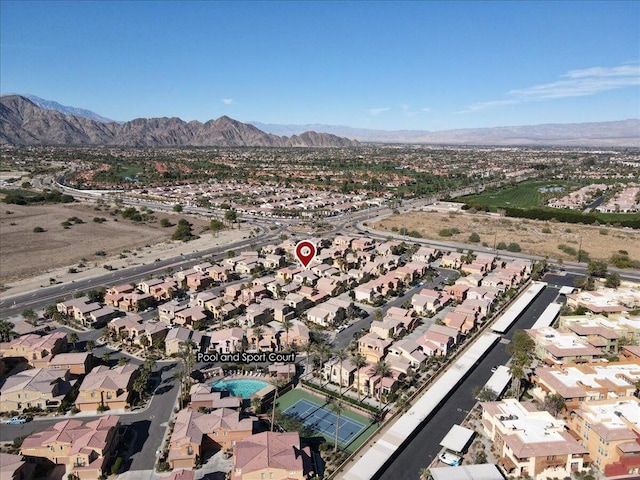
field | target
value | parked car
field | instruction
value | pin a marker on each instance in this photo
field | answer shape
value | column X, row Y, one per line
column 450, row 459
column 18, row 420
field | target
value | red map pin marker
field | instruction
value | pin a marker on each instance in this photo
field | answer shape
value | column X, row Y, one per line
column 305, row 252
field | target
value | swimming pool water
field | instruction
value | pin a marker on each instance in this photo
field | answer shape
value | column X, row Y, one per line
column 240, row 388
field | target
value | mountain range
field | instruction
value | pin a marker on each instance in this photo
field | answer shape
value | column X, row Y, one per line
column 624, row 133
column 67, row 110
column 22, row 122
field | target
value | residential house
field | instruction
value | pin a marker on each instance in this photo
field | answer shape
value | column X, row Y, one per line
column 154, row 332
column 198, row 281
column 167, row 311
column 429, row 301
column 341, row 373
column 425, row 255
column 228, row 340
column 77, row 363
column 195, row 433
column 326, row 314
column 189, row 317
column 15, row 468
column 409, row 351
column 458, row 291
column 99, row 317
column 363, row 243
column 115, row 294
column 84, row 448
column 587, row 381
column 452, row 260
column 554, row 347
column 146, row 285
column 179, row 336
column 219, row 273
column 373, row 347
column 35, row 349
column 107, row 387
column 610, row 431
column 435, row 343
column 36, row 388
column 462, row 322
column 265, row 341
column 296, row 338
column 271, row 455
column 530, row 442
column 135, row 302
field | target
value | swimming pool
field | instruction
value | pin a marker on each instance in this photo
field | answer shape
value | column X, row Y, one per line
column 242, row 387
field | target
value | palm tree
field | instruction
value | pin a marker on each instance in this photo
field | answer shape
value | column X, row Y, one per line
column 256, row 405
column 257, row 332
column 73, row 338
column 276, row 383
column 180, row 376
column 287, row 324
column 382, row 370
column 359, row 361
column 140, row 384
column 517, row 373
column 337, row 408
column 322, row 349
column 308, row 348
column 220, row 304
column 425, row 474
column 185, row 353
column 89, row 345
column 6, row 330
column 144, row 341
column 341, row 355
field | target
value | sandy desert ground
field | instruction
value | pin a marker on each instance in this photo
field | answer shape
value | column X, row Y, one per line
column 599, row 241
column 25, row 253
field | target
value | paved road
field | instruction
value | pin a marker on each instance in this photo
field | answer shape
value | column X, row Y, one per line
column 48, row 295
column 425, row 445
column 148, row 425
column 344, row 338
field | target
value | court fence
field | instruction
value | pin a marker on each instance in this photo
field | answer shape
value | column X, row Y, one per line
column 352, row 403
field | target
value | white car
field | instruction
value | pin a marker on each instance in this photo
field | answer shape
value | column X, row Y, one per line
column 450, row 459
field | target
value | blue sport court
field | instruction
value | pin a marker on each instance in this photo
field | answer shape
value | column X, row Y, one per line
column 324, row 421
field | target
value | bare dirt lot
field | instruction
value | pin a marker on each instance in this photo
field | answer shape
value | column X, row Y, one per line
column 24, row 253
column 535, row 237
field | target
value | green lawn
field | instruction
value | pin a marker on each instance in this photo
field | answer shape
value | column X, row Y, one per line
column 291, row 397
column 523, row 195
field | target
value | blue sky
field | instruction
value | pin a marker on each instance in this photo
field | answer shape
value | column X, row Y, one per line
column 388, row 65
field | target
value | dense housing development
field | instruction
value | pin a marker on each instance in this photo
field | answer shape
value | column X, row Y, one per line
column 230, row 356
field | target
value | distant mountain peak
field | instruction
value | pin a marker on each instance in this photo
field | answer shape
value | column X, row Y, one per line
column 67, row 110
column 622, row 133
column 23, row 122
